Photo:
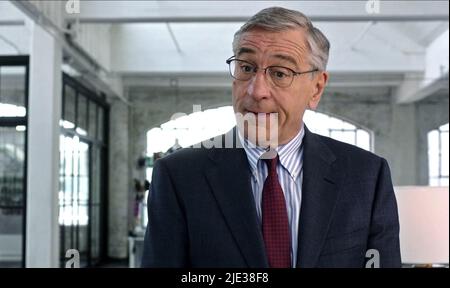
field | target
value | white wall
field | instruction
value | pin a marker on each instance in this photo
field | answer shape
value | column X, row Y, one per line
column 424, row 215
column 96, row 41
column 54, row 10
column 437, row 59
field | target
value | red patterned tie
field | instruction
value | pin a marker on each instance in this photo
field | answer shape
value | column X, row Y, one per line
column 275, row 221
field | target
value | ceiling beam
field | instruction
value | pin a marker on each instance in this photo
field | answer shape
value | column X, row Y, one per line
column 237, row 19
column 434, row 78
column 12, row 22
column 230, row 11
column 412, row 93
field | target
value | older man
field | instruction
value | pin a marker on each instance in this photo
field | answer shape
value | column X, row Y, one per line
column 284, row 199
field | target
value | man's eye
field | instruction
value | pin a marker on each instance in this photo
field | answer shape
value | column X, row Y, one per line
column 247, row 68
column 279, row 74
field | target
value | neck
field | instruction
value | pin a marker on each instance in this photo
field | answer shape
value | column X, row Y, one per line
column 287, row 139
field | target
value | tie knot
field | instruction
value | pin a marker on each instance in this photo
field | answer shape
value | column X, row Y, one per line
column 272, row 164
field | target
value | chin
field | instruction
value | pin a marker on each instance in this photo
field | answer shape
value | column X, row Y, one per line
column 259, row 136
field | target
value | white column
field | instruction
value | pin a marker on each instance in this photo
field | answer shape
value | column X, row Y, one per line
column 44, row 112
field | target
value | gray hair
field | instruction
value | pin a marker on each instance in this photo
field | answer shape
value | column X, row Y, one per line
column 279, row 19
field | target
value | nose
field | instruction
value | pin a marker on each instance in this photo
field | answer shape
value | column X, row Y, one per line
column 258, row 86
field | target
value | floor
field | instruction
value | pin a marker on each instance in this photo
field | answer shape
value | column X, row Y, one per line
column 114, row 263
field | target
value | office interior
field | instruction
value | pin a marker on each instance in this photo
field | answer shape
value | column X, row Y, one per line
column 92, row 93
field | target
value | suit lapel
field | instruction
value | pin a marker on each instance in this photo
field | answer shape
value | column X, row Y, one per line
column 230, row 180
column 232, row 189
column 319, row 195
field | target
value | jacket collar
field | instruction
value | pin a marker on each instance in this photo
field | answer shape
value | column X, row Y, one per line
column 231, row 187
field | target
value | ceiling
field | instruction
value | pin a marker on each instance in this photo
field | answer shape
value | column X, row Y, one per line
column 149, row 43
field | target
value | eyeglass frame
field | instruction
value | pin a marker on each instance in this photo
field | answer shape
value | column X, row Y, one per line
column 256, row 68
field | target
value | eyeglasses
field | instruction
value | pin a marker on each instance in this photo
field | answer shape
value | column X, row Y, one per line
column 279, row 75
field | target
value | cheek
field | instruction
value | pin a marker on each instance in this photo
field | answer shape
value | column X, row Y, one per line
column 236, row 98
column 290, row 111
column 238, row 92
column 238, row 87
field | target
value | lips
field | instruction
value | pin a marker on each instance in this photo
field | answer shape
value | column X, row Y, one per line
column 258, row 112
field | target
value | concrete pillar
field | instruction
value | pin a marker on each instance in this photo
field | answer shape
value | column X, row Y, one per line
column 399, row 144
column 44, row 113
column 119, row 181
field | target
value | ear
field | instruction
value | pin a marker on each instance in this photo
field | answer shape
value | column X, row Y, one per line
column 318, row 89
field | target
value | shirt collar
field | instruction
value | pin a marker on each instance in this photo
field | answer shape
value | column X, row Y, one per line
column 289, row 153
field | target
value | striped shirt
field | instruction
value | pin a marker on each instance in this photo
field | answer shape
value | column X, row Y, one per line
column 290, row 176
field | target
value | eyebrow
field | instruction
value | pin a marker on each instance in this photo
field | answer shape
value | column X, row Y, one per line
column 286, row 58
column 244, row 50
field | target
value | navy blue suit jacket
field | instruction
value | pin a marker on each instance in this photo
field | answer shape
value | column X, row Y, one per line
column 202, row 211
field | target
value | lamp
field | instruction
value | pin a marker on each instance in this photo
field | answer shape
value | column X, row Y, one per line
column 424, row 230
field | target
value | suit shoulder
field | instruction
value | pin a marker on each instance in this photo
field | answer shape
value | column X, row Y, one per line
column 200, row 152
column 349, row 151
column 185, row 155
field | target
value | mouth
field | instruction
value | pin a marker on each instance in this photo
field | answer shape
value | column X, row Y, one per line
column 258, row 113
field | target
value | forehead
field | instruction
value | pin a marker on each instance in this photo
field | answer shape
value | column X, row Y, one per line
column 263, row 43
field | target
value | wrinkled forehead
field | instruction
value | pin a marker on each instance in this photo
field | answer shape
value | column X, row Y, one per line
column 289, row 45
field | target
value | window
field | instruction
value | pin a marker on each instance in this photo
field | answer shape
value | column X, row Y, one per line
column 13, row 156
column 198, row 126
column 438, row 156
column 82, row 173
column 340, row 130
column 73, row 195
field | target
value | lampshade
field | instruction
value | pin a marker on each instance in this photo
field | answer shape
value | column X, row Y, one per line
column 424, row 217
